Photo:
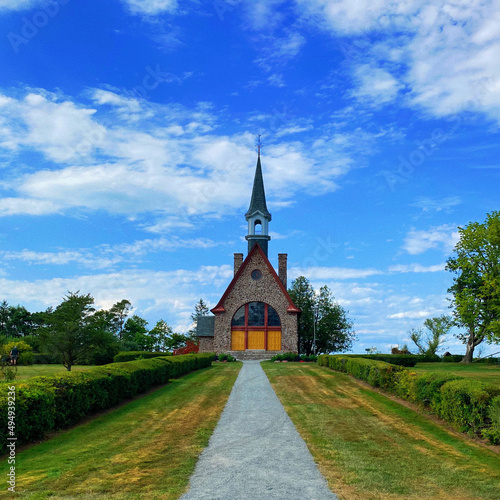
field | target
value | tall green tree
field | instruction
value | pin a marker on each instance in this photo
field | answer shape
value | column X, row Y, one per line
column 200, row 309
column 71, row 329
column 119, row 313
column 322, row 319
column 476, row 283
column 135, row 330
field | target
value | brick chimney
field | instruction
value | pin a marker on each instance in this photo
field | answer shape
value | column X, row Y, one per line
column 238, row 260
column 282, row 263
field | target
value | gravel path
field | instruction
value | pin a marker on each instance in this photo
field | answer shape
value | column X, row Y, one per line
column 255, row 451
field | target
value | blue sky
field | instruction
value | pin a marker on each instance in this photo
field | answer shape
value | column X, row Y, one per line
column 127, row 149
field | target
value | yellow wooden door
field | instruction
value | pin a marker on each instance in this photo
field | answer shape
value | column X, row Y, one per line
column 256, row 339
column 238, row 340
column 274, row 340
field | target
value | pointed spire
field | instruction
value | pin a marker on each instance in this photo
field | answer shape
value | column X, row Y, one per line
column 258, row 201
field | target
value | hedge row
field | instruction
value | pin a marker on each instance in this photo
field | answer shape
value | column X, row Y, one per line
column 133, row 355
column 49, row 403
column 395, row 359
column 470, row 405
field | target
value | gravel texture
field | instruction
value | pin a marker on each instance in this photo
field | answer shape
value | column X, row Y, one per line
column 255, row 451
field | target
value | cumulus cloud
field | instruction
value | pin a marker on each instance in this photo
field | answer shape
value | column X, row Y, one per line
column 444, row 237
column 168, row 162
column 151, row 7
column 6, row 5
column 375, row 85
column 446, row 58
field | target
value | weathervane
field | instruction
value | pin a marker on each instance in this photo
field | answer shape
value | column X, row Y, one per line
column 259, row 144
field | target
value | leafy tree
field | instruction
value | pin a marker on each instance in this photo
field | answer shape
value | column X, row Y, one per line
column 160, row 335
column 176, row 340
column 134, row 330
column 437, row 329
column 164, row 339
column 16, row 321
column 72, row 331
column 476, row 283
column 323, row 316
column 119, row 312
column 200, row 309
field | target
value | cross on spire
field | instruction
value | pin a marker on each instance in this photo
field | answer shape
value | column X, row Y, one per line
column 259, row 144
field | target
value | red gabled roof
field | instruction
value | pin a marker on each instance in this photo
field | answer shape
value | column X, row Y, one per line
column 219, row 308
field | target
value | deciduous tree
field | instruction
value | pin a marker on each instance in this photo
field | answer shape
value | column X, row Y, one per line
column 476, row 283
column 72, row 331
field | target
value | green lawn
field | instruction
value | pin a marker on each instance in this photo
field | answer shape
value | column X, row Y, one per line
column 24, row 372
column 478, row 371
column 147, row 449
column 370, row 447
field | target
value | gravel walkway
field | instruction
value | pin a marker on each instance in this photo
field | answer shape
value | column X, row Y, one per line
column 255, row 451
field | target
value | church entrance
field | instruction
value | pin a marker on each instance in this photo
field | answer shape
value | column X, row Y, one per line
column 256, row 326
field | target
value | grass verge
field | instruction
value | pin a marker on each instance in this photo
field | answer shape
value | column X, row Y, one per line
column 483, row 372
column 145, row 449
column 370, row 447
column 27, row 371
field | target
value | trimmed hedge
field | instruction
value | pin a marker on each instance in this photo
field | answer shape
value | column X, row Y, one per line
column 394, row 359
column 133, row 355
column 471, row 406
column 48, row 403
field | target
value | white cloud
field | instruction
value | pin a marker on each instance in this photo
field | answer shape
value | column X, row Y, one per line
column 416, row 268
column 19, row 4
column 168, row 162
column 437, row 205
column 151, row 7
column 444, row 237
column 446, row 58
column 106, row 256
column 335, row 273
column 410, row 315
column 375, row 84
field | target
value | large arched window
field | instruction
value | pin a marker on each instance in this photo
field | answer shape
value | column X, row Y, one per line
column 256, row 314
column 256, row 325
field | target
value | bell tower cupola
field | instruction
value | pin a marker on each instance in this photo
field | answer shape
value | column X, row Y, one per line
column 258, row 216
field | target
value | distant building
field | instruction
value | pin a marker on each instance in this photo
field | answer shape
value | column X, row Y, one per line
column 256, row 313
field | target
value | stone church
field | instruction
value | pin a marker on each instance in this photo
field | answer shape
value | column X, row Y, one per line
column 255, row 313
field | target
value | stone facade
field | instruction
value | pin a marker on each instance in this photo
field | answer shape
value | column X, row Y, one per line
column 206, row 344
column 267, row 289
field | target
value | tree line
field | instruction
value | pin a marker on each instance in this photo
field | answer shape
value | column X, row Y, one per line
column 75, row 331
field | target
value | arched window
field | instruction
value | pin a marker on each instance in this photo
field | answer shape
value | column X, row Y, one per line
column 256, row 314
column 256, row 326
column 258, row 227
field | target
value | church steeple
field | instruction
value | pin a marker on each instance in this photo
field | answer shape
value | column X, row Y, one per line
column 258, row 216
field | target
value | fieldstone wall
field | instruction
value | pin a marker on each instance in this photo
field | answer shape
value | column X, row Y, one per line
column 265, row 290
column 206, row 344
